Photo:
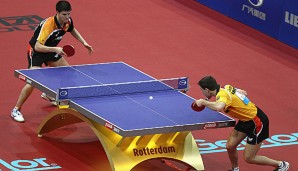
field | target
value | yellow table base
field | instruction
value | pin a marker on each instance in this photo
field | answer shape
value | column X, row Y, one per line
column 124, row 153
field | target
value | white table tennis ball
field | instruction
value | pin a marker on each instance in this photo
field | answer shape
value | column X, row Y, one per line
column 150, row 97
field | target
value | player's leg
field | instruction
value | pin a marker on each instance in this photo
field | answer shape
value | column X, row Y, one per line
column 27, row 89
column 61, row 62
column 250, row 156
column 25, row 93
column 234, row 140
column 54, row 62
column 258, row 133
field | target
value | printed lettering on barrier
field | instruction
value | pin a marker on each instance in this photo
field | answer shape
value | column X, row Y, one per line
column 263, row 15
column 218, row 5
column 288, row 30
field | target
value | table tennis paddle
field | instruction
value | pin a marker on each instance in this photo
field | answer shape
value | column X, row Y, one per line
column 69, row 50
column 197, row 108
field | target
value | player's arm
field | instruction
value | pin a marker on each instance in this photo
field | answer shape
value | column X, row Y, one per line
column 75, row 33
column 46, row 49
column 217, row 105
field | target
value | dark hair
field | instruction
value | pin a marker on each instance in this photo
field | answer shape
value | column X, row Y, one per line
column 208, row 82
column 63, row 6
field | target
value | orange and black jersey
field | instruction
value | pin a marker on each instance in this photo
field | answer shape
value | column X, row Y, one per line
column 49, row 32
column 237, row 104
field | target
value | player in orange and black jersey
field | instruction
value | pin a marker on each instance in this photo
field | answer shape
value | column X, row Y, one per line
column 48, row 33
column 43, row 48
column 252, row 122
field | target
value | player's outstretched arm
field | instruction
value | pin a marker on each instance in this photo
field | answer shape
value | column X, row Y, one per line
column 217, row 106
column 75, row 33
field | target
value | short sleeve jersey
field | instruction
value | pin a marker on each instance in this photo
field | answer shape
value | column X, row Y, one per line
column 237, row 104
column 50, row 33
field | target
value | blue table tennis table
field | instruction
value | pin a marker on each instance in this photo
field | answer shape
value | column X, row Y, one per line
column 131, row 127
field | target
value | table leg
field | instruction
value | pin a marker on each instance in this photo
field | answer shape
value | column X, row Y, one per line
column 125, row 153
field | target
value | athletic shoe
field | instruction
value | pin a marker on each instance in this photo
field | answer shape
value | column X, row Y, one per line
column 17, row 115
column 234, row 169
column 283, row 166
column 48, row 98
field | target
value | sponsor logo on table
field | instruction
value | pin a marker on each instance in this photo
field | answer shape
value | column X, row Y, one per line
column 112, row 127
column 182, row 82
column 28, row 81
column 224, row 124
column 108, row 125
column 210, row 125
column 22, row 77
column 63, row 93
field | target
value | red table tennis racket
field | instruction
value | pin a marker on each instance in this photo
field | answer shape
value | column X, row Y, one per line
column 69, row 50
column 197, row 108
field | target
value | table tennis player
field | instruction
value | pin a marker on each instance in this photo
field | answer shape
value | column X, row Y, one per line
column 252, row 124
column 43, row 49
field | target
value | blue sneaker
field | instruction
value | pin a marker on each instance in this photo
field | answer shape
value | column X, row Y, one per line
column 17, row 115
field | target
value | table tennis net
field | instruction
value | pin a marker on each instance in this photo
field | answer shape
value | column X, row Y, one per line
column 122, row 88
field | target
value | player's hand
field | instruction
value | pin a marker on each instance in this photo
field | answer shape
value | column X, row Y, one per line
column 59, row 51
column 200, row 102
column 90, row 49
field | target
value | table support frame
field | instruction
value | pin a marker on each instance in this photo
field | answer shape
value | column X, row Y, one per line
column 124, row 153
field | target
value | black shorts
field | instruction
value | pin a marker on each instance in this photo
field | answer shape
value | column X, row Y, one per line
column 37, row 59
column 256, row 129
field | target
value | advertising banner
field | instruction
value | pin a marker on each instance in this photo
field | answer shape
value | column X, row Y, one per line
column 263, row 15
column 218, row 5
column 288, row 30
column 276, row 18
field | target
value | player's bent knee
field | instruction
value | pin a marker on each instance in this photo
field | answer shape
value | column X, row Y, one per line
column 249, row 159
column 231, row 147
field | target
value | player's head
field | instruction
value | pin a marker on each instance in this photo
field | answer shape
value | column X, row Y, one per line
column 208, row 84
column 63, row 6
column 63, row 9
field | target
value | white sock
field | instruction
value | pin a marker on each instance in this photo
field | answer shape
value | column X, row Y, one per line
column 236, row 169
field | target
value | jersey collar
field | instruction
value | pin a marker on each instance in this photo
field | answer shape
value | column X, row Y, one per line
column 57, row 22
